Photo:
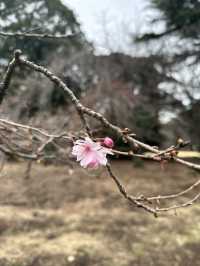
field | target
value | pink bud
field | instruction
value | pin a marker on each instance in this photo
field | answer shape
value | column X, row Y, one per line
column 108, row 142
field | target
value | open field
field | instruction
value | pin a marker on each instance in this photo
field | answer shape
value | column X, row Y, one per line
column 58, row 217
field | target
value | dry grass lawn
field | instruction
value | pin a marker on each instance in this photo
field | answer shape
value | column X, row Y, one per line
column 60, row 217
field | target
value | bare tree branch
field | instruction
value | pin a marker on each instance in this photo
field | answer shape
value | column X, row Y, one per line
column 131, row 199
column 8, row 75
column 35, row 35
column 13, row 146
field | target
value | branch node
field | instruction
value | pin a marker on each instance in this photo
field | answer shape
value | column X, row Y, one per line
column 17, row 54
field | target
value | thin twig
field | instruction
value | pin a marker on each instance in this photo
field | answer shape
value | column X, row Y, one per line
column 128, row 197
column 35, row 129
column 173, row 196
column 36, row 35
column 8, row 75
column 178, row 206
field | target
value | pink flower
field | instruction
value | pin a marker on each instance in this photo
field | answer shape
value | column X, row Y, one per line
column 108, row 142
column 89, row 153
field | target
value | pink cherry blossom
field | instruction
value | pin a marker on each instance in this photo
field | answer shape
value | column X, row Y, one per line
column 89, row 153
column 108, row 142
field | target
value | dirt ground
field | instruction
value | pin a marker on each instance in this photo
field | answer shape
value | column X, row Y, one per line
column 61, row 217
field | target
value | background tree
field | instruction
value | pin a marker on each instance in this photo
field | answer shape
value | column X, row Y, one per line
column 181, row 20
column 127, row 93
column 43, row 16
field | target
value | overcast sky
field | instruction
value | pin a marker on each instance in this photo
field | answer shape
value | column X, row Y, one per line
column 108, row 23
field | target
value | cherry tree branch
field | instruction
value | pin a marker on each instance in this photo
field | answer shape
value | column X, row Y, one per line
column 8, row 75
column 150, row 204
column 35, row 35
column 128, row 197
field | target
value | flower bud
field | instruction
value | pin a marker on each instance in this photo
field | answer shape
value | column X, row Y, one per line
column 108, row 142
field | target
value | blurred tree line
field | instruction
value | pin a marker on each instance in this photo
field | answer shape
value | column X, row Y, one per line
column 42, row 16
column 134, row 92
column 181, row 19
